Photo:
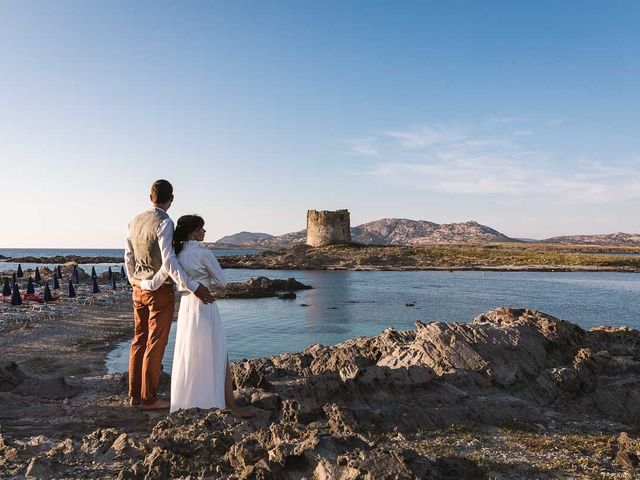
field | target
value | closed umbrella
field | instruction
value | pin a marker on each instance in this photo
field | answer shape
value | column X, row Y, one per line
column 14, row 279
column 93, row 272
column 110, row 275
column 56, row 282
column 75, row 275
column 72, row 291
column 47, row 293
column 59, row 270
column 122, row 273
column 95, row 285
column 19, row 273
column 6, row 289
column 37, row 278
column 15, row 295
column 113, row 283
column 30, row 288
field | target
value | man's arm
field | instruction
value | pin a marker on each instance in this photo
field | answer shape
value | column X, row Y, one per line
column 170, row 264
column 129, row 259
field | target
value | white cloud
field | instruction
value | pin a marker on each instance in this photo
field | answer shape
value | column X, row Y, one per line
column 424, row 136
column 446, row 161
column 364, row 146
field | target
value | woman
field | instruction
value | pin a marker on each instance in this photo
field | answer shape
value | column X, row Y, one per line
column 200, row 375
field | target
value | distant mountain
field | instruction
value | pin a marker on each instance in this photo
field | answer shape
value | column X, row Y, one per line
column 387, row 231
column 245, row 238
column 607, row 239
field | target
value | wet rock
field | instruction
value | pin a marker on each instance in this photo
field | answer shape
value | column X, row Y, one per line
column 261, row 287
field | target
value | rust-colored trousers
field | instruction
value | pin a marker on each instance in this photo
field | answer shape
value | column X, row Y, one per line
column 152, row 314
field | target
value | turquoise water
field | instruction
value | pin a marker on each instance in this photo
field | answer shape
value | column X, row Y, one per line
column 345, row 304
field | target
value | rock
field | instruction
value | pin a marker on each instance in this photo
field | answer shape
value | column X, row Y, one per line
column 261, row 287
column 287, row 295
column 13, row 379
column 628, row 451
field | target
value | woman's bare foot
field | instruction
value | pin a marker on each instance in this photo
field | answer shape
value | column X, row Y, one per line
column 159, row 404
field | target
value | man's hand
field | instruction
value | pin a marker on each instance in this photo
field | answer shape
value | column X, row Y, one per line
column 204, row 294
column 134, row 282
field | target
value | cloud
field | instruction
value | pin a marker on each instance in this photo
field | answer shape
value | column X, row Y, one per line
column 424, row 136
column 364, row 146
column 446, row 161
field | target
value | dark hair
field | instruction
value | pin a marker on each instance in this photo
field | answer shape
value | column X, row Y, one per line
column 161, row 191
column 186, row 225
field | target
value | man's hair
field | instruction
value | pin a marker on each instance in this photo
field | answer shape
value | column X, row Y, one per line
column 161, row 191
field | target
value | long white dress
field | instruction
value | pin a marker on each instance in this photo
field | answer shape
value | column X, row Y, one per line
column 200, row 356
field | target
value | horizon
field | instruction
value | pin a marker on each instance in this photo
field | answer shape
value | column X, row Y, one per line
column 520, row 116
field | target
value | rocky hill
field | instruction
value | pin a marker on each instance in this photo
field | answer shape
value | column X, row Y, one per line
column 619, row 238
column 387, row 231
column 245, row 238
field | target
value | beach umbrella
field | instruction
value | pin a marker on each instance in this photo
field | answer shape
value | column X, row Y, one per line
column 56, row 283
column 19, row 273
column 6, row 289
column 122, row 273
column 93, row 272
column 47, row 293
column 95, row 285
column 72, row 291
column 110, row 276
column 37, row 278
column 13, row 278
column 75, row 275
column 59, row 271
column 113, row 283
column 55, row 273
column 30, row 288
column 15, row 295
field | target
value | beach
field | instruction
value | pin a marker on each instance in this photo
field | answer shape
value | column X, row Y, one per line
column 367, row 406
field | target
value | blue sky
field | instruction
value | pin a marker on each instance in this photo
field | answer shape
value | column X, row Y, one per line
column 523, row 116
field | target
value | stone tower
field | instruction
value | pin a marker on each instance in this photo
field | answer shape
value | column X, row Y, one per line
column 328, row 228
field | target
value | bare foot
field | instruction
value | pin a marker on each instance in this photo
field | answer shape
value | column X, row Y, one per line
column 134, row 402
column 159, row 404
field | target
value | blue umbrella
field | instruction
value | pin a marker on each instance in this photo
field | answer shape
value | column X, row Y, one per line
column 95, row 286
column 113, row 283
column 72, row 291
column 37, row 278
column 19, row 273
column 15, row 295
column 6, row 289
column 93, row 272
column 30, row 288
column 47, row 293
column 110, row 274
column 59, row 270
column 75, row 275
column 56, row 283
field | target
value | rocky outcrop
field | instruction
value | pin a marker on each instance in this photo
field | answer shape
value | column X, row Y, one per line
column 620, row 238
column 261, row 287
column 364, row 408
column 59, row 259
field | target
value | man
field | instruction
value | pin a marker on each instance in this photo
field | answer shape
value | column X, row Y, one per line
column 149, row 248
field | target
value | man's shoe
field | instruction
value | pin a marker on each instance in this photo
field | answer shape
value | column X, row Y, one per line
column 134, row 402
column 159, row 404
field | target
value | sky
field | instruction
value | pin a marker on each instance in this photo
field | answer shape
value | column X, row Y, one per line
column 523, row 116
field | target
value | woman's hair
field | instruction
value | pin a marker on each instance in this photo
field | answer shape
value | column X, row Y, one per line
column 186, row 224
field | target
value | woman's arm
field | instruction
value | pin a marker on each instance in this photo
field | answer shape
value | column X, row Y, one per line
column 214, row 268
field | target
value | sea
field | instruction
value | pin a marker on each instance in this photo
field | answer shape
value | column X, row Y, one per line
column 348, row 304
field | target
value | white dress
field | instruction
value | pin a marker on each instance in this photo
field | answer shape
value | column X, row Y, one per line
column 200, row 356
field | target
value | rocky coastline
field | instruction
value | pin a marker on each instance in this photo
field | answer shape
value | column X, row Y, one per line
column 514, row 394
column 483, row 257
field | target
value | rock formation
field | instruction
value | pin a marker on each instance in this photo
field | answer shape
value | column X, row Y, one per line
column 371, row 407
